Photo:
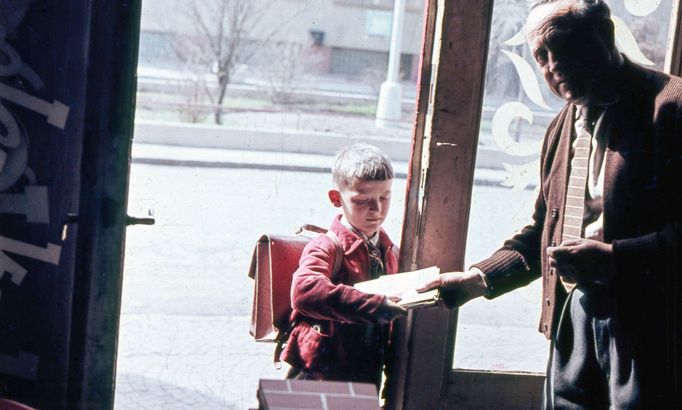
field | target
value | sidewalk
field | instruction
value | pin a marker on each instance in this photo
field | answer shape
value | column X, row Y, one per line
column 184, row 333
column 176, row 155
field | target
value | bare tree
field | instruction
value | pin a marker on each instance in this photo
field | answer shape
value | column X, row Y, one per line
column 285, row 62
column 284, row 68
column 191, row 90
column 219, row 42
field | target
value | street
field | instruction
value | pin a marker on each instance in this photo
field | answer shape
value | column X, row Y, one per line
column 184, row 340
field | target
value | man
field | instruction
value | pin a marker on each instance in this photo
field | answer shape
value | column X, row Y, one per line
column 612, row 157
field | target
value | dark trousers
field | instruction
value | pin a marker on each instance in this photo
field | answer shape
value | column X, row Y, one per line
column 591, row 363
column 296, row 374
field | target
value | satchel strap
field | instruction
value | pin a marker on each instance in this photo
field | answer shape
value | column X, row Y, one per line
column 338, row 259
column 311, row 228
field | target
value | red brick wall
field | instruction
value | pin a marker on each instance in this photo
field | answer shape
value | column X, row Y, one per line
column 312, row 394
column 317, row 59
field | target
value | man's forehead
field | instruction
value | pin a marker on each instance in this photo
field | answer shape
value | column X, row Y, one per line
column 546, row 15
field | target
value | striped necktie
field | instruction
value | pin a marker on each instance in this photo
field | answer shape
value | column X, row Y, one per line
column 376, row 265
column 574, row 209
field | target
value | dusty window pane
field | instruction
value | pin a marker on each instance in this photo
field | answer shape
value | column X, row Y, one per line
column 241, row 106
column 502, row 334
column 379, row 23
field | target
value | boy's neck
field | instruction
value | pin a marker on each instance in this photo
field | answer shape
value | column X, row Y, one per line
column 374, row 238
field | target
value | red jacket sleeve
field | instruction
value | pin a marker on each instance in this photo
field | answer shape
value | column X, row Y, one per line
column 316, row 295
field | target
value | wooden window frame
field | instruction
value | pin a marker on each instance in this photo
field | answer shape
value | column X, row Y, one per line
column 438, row 200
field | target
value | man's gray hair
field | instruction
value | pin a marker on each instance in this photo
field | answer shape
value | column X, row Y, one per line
column 362, row 161
column 585, row 10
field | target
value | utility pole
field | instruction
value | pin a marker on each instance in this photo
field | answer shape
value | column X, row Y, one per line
column 389, row 106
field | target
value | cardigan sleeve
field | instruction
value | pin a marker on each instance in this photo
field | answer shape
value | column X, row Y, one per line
column 517, row 262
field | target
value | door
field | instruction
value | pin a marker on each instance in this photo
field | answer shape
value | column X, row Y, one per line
column 66, row 88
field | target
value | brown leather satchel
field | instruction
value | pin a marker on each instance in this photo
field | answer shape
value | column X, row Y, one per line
column 275, row 259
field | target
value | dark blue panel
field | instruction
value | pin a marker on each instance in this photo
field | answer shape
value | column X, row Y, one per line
column 42, row 92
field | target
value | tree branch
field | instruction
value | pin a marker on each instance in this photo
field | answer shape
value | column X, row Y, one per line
column 203, row 27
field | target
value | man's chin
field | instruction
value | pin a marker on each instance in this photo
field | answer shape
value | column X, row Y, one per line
column 572, row 94
column 574, row 97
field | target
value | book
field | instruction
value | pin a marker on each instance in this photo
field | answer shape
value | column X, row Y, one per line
column 404, row 285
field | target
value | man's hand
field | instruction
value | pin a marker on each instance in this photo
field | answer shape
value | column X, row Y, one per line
column 460, row 287
column 389, row 310
column 583, row 261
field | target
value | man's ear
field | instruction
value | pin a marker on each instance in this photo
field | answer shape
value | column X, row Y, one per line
column 335, row 197
column 608, row 34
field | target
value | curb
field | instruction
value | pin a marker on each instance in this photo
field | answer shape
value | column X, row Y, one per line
column 273, row 167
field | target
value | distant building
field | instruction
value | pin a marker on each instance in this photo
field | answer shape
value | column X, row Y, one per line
column 342, row 37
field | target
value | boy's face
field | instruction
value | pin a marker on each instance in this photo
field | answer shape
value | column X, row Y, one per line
column 365, row 203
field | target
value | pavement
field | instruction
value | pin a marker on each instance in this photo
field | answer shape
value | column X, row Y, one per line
column 176, row 155
column 184, row 340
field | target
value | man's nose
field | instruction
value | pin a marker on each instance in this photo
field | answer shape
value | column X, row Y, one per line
column 553, row 64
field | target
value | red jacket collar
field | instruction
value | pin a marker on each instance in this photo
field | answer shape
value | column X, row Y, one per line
column 349, row 240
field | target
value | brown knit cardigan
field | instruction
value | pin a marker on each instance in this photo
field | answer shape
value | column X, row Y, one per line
column 642, row 208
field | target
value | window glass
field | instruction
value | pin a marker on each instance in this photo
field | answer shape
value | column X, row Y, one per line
column 502, row 334
column 379, row 23
column 241, row 106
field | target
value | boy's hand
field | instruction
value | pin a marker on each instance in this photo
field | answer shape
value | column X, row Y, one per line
column 389, row 310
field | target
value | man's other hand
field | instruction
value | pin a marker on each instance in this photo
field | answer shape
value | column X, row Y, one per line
column 457, row 288
column 584, row 261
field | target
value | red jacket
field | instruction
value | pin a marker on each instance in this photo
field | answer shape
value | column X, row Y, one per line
column 334, row 336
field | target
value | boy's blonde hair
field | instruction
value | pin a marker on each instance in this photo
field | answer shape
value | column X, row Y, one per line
column 362, row 161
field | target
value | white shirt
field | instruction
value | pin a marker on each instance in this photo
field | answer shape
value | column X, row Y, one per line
column 595, row 169
column 374, row 240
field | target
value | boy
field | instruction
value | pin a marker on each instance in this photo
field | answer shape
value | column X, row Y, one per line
column 338, row 332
